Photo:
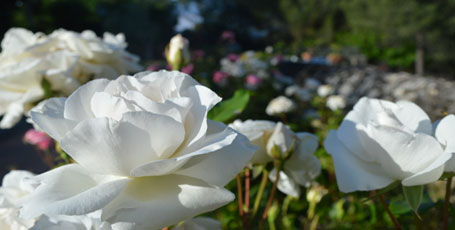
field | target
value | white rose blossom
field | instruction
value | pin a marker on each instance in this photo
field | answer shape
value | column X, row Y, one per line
column 336, row 102
column 15, row 187
column 146, row 154
column 65, row 59
column 301, row 167
column 280, row 105
column 325, row 90
column 445, row 134
column 380, row 142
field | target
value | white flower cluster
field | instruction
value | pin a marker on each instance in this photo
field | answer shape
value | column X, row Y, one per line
column 65, row 59
column 246, row 63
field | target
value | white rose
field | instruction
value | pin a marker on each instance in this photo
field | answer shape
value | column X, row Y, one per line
column 258, row 132
column 325, row 90
column 300, row 168
column 380, row 142
column 15, row 187
column 335, row 102
column 65, row 59
column 280, row 105
column 445, row 134
column 146, row 154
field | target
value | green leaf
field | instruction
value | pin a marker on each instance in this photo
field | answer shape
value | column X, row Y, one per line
column 230, row 108
column 413, row 195
column 401, row 207
column 46, row 85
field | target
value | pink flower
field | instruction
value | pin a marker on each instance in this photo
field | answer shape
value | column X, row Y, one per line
column 198, row 54
column 40, row 139
column 228, row 36
column 188, row 69
column 153, row 67
column 252, row 79
column 233, row 57
column 220, row 77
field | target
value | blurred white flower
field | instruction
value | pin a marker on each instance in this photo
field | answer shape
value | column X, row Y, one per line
column 291, row 90
column 325, row 90
column 280, row 105
column 300, row 167
column 200, row 223
column 380, row 142
column 300, row 93
column 233, row 68
column 335, row 102
column 146, row 154
column 177, row 52
column 65, row 59
column 15, row 186
column 445, row 134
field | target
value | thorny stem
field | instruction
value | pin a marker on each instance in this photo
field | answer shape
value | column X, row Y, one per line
column 257, row 201
column 247, row 198
column 239, row 195
column 386, row 207
column 247, row 190
column 447, row 203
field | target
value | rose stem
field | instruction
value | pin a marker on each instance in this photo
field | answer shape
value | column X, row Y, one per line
column 247, row 197
column 272, row 194
column 447, row 203
column 386, row 207
column 239, row 195
column 247, row 190
column 257, row 201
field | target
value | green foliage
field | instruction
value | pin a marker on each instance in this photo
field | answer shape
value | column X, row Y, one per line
column 230, row 108
column 413, row 195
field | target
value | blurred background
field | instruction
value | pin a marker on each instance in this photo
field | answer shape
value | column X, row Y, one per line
column 394, row 34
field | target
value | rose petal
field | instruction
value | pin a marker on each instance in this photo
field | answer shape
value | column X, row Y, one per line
column 213, row 142
column 285, row 184
column 352, row 173
column 49, row 118
column 148, row 201
column 120, row 146
column 78, row 106
column 445, row 133
column 226, row 162
column 402, row 154
column 413, row 117
column 70, row 190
